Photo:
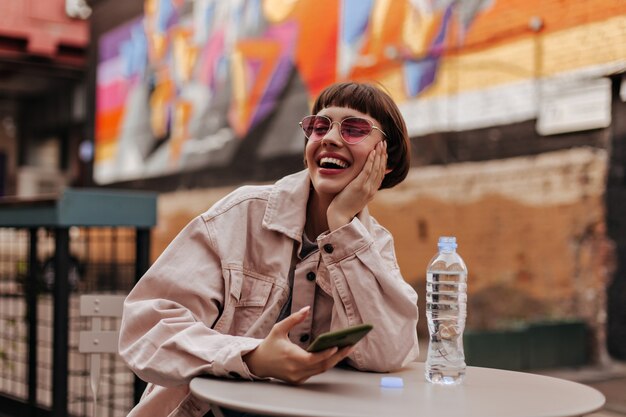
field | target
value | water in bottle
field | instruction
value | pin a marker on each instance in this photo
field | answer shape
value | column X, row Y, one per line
column 446, row 307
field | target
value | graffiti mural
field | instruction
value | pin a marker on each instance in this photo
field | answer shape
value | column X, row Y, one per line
column 188, row 83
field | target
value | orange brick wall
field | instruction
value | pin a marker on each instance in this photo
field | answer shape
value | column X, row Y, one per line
column 525, row 227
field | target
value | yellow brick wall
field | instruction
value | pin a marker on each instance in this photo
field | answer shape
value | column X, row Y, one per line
column 534, row 56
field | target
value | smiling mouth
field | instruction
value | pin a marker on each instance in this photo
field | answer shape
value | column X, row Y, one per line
column 332, row 163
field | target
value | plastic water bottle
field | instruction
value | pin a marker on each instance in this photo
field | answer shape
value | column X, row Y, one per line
column 446, row 309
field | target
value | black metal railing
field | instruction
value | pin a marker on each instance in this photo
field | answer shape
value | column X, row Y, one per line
column 52, row 250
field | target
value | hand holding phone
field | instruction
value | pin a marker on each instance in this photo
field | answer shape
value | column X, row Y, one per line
column 340, row 338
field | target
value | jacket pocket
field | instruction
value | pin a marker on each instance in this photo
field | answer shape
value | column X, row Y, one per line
column 249, row 290
column 248, row 297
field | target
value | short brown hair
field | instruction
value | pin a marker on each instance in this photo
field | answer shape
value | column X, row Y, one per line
column 371, row 99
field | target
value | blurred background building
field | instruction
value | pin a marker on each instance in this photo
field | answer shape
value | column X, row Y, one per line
column 43, row 61
column 516, row 110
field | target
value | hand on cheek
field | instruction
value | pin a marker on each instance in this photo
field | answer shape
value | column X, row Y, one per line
column 360, row 191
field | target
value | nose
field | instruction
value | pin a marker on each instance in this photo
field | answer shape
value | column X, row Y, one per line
column 333, row 135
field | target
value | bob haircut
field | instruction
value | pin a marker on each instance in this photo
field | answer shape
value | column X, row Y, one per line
column 372, row 100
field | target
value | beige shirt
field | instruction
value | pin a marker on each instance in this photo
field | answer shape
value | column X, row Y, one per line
column 218, row 288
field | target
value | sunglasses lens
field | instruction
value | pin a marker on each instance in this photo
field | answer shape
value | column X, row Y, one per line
column 315, row 127
column 354, row 129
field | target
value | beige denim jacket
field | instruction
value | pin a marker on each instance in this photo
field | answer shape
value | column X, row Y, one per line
column 218, row 288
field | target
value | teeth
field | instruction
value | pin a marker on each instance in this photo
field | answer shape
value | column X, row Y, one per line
column 334, row 161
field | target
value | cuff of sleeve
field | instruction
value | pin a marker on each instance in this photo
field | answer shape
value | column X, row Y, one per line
column 234, row 365
column 343, row 242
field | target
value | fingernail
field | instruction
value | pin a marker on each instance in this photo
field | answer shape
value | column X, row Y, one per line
column 304, row 309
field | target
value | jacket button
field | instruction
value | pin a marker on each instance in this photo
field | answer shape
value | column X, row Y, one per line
column 328, row 248
column 310, row 276
column 304, row 338
column 234, row 374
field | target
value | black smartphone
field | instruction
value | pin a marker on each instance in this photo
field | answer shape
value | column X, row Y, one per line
column 340, row 338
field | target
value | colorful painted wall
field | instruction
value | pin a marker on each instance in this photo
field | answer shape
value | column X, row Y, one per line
column 187, row 84
column 184, row 85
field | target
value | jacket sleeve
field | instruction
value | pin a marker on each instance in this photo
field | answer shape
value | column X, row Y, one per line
column 368, row 288
column 166, row 334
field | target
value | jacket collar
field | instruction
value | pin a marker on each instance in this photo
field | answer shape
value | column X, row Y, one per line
column 286, row 208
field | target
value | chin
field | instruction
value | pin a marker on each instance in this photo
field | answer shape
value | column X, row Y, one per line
column 330, row 191
column 329, row 187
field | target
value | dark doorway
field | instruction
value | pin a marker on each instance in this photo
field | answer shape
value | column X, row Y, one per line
column 3, row 172
column 616, row 222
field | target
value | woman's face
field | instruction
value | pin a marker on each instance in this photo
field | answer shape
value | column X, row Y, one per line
column 332, row 163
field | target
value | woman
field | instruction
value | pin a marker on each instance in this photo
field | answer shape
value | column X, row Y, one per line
column 247, row 286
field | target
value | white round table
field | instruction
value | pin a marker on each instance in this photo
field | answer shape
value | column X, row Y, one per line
column 348, row 393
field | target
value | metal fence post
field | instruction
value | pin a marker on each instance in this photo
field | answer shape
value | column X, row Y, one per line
column 142, row 262
column 31, row 313
column 61, row 322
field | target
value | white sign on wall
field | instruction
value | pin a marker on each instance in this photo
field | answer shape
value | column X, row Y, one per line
column 77, row 9
column 572, row 108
